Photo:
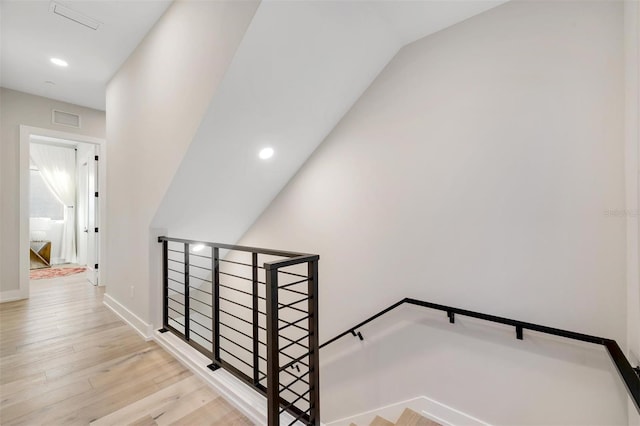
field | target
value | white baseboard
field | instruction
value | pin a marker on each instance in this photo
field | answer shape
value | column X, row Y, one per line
column 429, row 408
column 144, row 329
column 11, row 295
column 251, row 403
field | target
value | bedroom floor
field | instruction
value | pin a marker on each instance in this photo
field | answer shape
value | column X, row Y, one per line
column 66, row 359
column 59, row 270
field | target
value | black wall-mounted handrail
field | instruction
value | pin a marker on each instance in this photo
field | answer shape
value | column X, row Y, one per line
column 626, row 371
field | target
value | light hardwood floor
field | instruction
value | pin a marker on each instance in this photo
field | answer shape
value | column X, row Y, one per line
column 65, row 359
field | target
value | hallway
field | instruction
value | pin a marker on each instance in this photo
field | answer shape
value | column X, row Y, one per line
column 66, row 359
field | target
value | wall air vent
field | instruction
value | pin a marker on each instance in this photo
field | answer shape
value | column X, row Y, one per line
column 65, row 118
column 73, row 15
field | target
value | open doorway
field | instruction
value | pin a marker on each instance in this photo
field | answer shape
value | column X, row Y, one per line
column 63, row 208
column 61, row 205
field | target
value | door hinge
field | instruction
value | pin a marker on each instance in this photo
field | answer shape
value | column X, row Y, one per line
column 96, row 266
column 96, row 194
column 96, row 157
column 96, row 230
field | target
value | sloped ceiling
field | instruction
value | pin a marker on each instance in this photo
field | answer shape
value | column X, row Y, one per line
column 298, row 70
column 31, row 34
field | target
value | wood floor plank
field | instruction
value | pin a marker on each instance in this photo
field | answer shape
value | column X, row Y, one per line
column 65, row 359
column 150, row 362
column 380, row 421
column 30, row 382
column 114, row 330
column 216, row 412
column 59, row 366
column 162, row 402
column 85, row 359
column 47, row 399
column 100, row 375
column 86, row 406
column 51, row 351
column 27, row 343
column 165, row 379
column 145, row 421
column 412, row 418
column 190, row 402
column 20, row 360
column 31, row 392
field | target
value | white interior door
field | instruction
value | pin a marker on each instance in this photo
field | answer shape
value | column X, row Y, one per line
column 83, row 216
column 92, row 217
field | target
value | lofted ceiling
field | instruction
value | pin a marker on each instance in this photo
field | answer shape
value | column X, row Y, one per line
column 299, row 68
column 31, row 34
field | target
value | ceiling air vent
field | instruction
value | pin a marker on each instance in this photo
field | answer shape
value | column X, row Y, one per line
column 65, row 119
column 73, row 15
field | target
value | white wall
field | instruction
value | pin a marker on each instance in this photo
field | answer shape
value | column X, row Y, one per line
column 474, row 367
column 17, row 108
column 299, row 69
column 632, row 137
column 479, row 170
column 155, row 103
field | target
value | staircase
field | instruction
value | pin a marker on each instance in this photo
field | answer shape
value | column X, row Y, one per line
column 407, row 418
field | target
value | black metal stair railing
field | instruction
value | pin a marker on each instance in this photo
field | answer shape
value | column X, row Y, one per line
column 253, row 312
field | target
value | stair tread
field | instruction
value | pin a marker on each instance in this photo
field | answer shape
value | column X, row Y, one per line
column 380, row 421
column 412, row 418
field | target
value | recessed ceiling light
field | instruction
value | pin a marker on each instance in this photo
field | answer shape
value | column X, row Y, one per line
column 266, row 153
column 59, row 62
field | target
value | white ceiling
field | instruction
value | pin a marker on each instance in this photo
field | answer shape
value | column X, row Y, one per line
column 300, row 67
column 411, row 20
column 31, row 35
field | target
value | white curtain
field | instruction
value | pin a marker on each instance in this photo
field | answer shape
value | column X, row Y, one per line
column 57, row 166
